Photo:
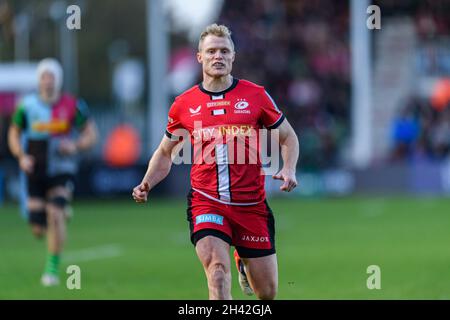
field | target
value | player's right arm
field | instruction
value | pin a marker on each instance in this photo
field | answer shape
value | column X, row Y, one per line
column 161, row 161
column 158, row 168
column 26, row 161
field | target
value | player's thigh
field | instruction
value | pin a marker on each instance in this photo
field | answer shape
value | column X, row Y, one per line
column 36, row 194
column 58, row 200
column 262, row 273
column 35, row 204
column 60, row 191
column 37, row 215
column 213, row 252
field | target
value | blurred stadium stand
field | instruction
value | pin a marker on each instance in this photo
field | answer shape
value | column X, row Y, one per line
column 299, row 50
column 412, row 72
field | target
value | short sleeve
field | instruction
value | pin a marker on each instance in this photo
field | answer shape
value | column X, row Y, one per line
column 271, row 115
column 82, row 114
column 173, row 122
column 19, row 117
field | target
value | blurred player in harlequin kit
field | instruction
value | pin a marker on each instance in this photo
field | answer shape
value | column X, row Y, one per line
column 227, row 204
column 57, row 128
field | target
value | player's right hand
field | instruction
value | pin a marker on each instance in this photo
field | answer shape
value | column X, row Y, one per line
column 26, row 163
column 140, row 192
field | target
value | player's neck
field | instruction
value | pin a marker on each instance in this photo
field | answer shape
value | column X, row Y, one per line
column 217, row 84
column 49, row 99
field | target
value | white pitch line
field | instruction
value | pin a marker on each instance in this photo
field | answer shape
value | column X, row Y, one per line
column 93, row 253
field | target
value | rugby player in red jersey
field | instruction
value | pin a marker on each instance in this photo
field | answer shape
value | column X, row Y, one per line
column 227, row 204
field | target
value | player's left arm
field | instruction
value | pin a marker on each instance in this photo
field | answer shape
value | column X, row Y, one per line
column 87, row 127
column 88, row 136
column 87, row 131
column 290, row 153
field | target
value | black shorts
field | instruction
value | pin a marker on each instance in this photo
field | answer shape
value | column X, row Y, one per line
column 38, row 186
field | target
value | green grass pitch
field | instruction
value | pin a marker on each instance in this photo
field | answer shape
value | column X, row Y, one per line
column 324, row 246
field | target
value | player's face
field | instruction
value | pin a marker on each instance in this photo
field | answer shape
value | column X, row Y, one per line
column 47, row 84
column 216, row 56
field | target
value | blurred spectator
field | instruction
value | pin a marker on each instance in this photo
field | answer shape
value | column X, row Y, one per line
column 405, row 133
column 440, row 135
column 421, row 132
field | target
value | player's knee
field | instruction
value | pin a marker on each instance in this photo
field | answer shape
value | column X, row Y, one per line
column 59, row 202
column 56, row 205
column 268, row 292
column 55, row 217
column 38, row 231
column 56, row 212
column 218, row 275
column 38, row 222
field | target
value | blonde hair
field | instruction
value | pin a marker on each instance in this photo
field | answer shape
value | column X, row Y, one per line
column 216, row 30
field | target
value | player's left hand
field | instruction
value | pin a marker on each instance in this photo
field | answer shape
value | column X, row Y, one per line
column 288, row 176
column 67, row 147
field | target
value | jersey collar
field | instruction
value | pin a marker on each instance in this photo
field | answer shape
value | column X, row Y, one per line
column 220, row 93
